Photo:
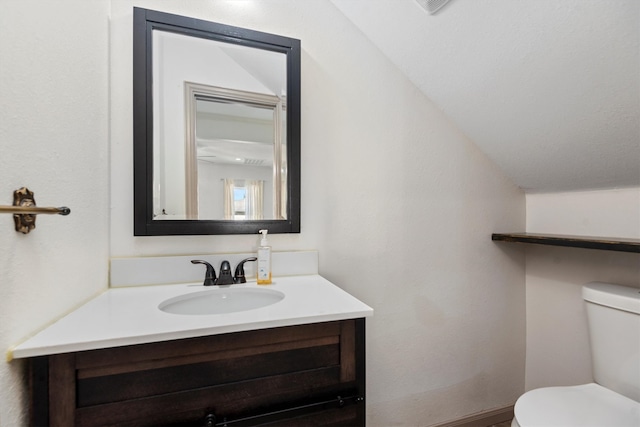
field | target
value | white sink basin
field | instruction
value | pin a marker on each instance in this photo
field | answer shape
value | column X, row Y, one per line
column 221, row 301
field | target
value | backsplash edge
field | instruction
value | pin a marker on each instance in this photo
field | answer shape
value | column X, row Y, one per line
column 160, row 270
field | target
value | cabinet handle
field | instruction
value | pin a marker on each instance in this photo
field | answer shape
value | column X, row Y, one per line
column 210, row 420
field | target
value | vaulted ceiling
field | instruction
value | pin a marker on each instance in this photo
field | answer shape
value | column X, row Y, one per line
column 548, row 89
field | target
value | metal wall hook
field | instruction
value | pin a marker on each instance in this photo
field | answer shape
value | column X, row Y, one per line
column 24, row 210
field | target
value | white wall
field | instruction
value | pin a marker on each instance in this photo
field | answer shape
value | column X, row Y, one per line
column 403, row 205
column 557, row 335
column 399, row 202
column 54, row 134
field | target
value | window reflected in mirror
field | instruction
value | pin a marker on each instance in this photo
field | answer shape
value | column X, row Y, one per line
column 244, row 199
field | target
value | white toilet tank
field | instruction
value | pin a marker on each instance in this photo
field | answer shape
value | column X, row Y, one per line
column 613, row 313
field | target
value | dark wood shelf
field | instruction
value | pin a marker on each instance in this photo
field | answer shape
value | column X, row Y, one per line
column 603, row 243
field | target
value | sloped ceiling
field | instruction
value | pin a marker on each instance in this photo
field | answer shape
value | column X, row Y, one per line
column 548, row 89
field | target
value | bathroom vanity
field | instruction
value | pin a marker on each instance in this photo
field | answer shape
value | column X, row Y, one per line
column 121, row 360
column 296, row 375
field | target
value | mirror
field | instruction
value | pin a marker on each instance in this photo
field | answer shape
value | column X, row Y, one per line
column 216, row 128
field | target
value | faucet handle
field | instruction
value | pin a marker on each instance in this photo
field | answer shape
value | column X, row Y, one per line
column 210, row 276
column 238, row 277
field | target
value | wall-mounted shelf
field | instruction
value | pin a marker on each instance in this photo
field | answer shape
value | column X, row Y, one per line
column 603, row 243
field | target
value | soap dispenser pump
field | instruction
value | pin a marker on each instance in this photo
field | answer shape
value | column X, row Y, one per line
column 264, row 260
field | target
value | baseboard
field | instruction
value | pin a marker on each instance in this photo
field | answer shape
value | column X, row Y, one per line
column 482, row 419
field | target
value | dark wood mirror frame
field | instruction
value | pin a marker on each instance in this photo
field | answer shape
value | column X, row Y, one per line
column 144, row 21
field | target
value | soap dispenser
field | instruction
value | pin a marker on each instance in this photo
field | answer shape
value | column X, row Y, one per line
column 264, row 260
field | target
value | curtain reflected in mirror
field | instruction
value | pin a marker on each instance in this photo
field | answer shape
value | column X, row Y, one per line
column 232, row 134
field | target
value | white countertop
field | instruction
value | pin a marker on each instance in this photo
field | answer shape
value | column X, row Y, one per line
column 128, row 316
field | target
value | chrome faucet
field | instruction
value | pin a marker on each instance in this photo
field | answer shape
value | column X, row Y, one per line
column 225, row 278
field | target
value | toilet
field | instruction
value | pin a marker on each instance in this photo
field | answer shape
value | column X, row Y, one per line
column 613, row 314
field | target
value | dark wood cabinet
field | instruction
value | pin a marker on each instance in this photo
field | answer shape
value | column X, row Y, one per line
column 305, row 375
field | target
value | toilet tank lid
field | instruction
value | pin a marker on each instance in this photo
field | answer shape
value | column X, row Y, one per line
column 611, row 295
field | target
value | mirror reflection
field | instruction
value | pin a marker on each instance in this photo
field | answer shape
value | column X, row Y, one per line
column 219, row 130
column 236, row 160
